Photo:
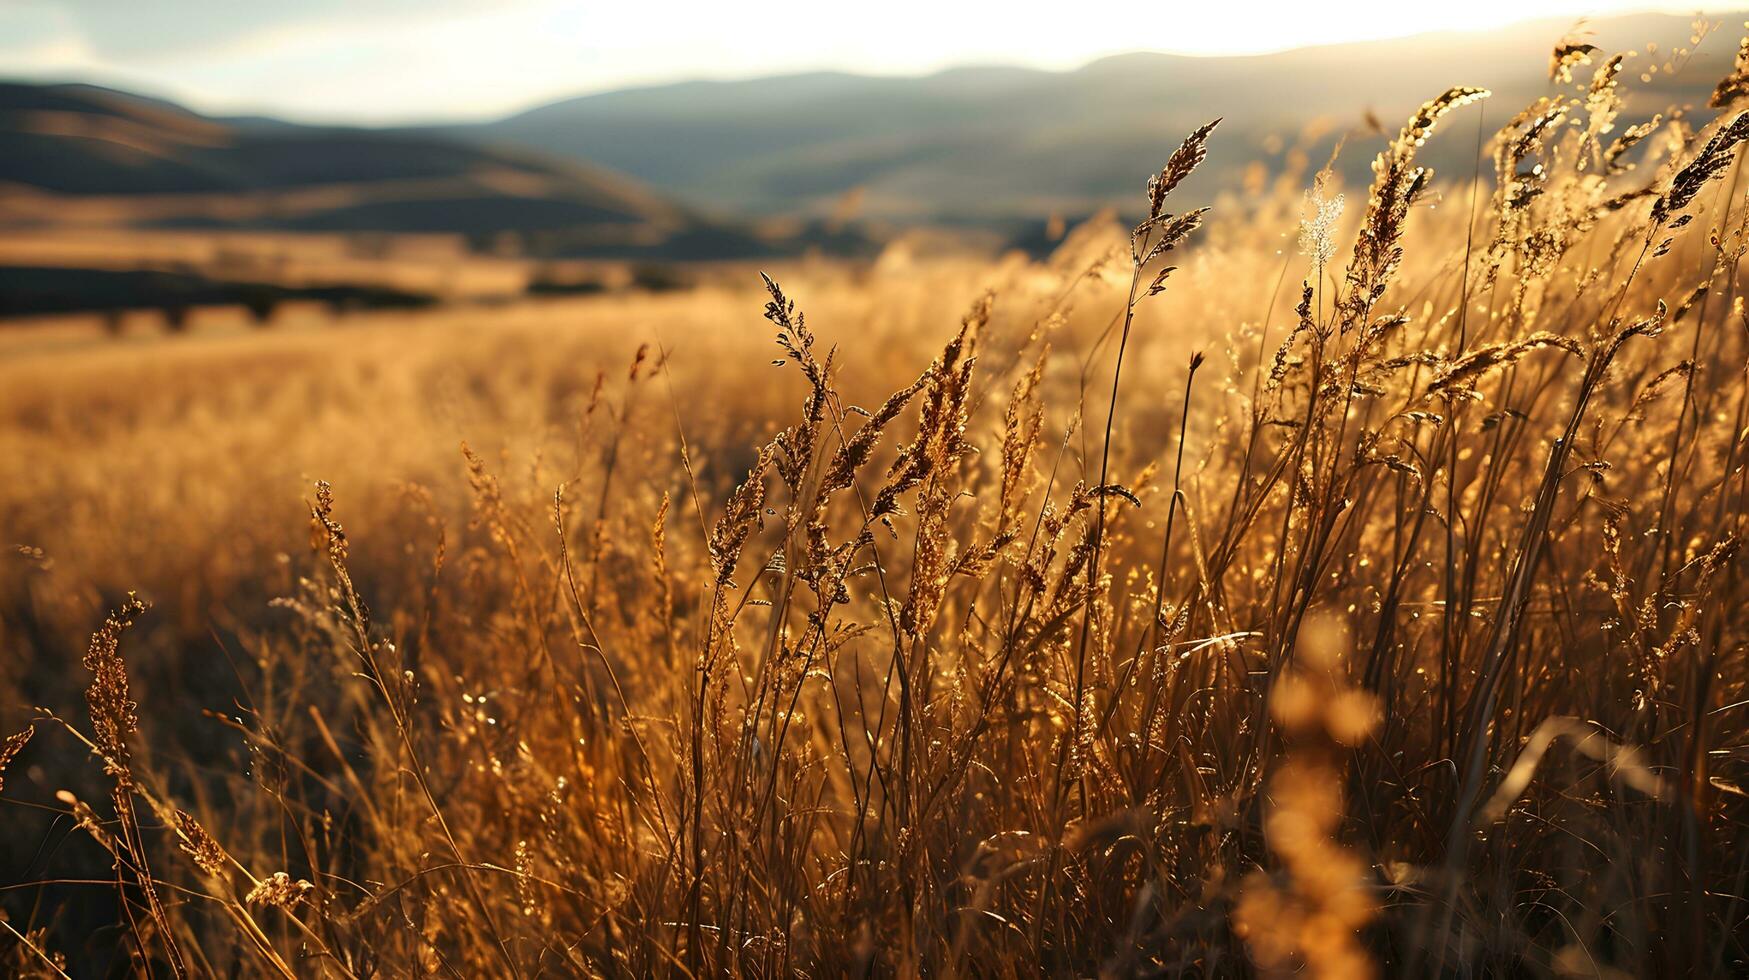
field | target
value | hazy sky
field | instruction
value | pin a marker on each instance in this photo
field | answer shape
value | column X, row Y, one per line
column 401, row 60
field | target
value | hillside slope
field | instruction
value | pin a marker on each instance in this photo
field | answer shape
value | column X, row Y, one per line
column 981, row 143
column 79, row 155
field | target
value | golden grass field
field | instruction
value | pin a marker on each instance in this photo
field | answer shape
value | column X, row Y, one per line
column 1365, row 602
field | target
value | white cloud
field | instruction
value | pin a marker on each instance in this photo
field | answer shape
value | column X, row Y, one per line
column 42, row 37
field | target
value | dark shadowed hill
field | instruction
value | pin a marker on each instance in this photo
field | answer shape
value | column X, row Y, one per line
column 78, row 155
column 980, row 143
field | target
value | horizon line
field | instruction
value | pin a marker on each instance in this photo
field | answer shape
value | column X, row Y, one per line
column 126, row 83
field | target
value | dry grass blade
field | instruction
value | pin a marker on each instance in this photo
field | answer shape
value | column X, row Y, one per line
column 1566, row 56
column 1706, row 167
column 903, row 662
column 9, row 749
column 1476, row 364
column 1183, row 161
column 114, row 713
column 1623, row 763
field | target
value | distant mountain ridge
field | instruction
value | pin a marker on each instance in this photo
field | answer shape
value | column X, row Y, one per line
column 994, row 143
column 711, row 161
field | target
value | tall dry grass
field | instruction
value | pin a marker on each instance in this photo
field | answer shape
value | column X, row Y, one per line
column 1362, row 608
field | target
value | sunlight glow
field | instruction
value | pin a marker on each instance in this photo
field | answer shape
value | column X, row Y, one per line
column 395, row 60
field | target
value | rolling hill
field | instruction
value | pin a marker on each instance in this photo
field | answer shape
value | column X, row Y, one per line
column 78, row 156
column 998, row 147
column 982, row 144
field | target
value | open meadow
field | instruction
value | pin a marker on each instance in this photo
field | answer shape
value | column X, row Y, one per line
column 1305, row 577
